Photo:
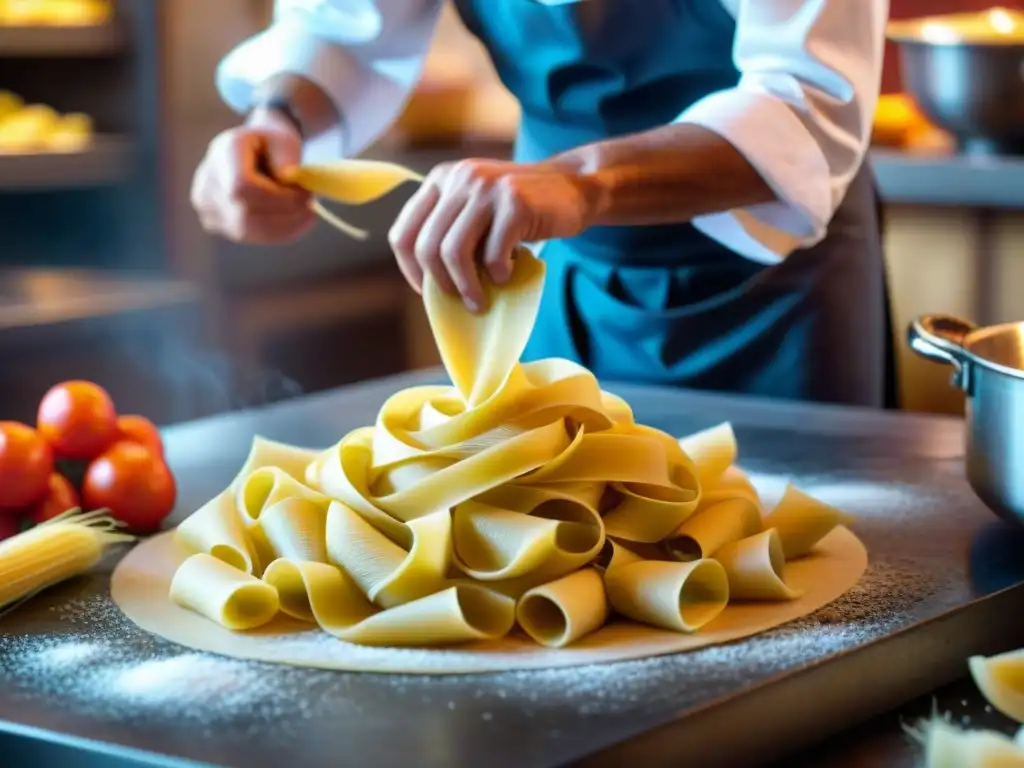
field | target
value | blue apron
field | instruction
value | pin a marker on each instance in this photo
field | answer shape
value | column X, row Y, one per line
column 667, row 304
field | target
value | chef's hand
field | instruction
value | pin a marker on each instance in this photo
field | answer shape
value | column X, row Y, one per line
column 235, row 190
column 475, row 212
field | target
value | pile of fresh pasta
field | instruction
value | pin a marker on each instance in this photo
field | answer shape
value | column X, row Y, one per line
column 520, row 495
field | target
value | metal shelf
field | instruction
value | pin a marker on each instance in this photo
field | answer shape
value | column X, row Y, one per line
column 107, row 161
column 61, row 42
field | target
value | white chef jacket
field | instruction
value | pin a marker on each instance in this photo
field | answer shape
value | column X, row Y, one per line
column 801, row 113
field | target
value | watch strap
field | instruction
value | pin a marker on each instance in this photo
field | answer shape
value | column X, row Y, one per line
column 284, row 108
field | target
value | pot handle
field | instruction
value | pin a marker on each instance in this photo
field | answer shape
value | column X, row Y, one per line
column 940, row 338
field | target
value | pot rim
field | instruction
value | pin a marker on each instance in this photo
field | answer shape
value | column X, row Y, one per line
column 951, row 340
column 910, row 31
column 910, row 40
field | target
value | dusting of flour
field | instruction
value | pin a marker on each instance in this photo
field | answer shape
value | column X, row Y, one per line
column 86, row 656
column 121, row 672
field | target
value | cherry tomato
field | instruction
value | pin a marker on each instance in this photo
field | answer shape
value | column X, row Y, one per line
column 10, row 525
column 59, row 498
column 139, row 429
column 78, row 419
column 134, row 484
column 26, row 462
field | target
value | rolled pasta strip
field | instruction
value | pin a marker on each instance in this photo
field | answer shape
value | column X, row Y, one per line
column 494, row 544
column 802, row 521
column 711, row 529
column 678, row 596
column 270, row 453
column 333, row 599
column 648, row 512
column 387, row 574
column 224, row 594
column 296, row 528
column 563, row 611
column 266, row 486
column 261, row 490
column 216, row 529
column 1001, row 681
column 755, row 567
column 713, row 451
column 733, row 484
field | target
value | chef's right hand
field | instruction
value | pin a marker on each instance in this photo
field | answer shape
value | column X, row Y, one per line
column 237, row 190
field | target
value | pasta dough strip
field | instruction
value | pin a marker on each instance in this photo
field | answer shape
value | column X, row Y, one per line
column 802, row 521
column 453, row 615
column 565, row 610
column 226, row 595
column 754, row 566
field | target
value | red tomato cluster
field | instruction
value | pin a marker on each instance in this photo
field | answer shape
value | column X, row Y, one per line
column 81, row 453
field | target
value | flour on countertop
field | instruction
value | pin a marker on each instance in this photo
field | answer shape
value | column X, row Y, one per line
column 121, row 672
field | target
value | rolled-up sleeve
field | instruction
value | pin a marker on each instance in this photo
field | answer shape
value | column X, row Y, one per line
column 801, row 114
column 365, row 55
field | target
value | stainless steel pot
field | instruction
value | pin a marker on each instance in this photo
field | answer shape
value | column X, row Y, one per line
column 970, row 84
column 988, row 365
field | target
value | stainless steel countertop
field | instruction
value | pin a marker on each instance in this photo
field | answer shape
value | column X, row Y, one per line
column 944, row 582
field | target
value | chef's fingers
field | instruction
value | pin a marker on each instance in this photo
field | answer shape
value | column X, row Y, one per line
column 234, row 167
column 460, row 246
column 431, row 235
column 255, row 176
column 406, row 229
column 506, row 233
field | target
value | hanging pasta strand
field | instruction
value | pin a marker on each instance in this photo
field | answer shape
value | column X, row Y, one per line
column 350, row 182
column 59, row 549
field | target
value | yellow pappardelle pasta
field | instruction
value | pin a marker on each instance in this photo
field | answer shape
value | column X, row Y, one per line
column 522, row 494
column 352, row 182
column 1001, row 681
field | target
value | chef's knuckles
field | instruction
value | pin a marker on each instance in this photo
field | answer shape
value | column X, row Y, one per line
column 474, row 212
column 234, row 198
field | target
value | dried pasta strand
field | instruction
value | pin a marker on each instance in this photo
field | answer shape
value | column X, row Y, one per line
column 351, row 182
column 59, row 549
column 338, row 223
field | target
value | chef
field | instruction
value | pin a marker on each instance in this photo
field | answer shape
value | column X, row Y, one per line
column 693, row 172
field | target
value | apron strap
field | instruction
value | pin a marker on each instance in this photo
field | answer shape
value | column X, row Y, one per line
column 891, row 394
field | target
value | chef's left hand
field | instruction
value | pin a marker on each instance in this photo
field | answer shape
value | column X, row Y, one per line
column 475, row 212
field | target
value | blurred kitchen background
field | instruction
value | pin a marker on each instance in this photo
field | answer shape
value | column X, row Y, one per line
column 107, row 276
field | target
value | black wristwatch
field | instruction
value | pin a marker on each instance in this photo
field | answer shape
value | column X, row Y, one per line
column 284, row 108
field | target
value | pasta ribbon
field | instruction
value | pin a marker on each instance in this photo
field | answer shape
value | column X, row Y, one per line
column 754, row 566
column 947, row 746
column 1001, row 680
column 229, row 596
column 522, row 493
column 349, row 181
column 565, row 610
column 802, row 521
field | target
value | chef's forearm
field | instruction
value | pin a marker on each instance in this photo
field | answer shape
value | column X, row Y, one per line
column 667, row 175
column 307, row 103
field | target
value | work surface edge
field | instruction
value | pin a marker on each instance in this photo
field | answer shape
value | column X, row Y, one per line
column 924, row 437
